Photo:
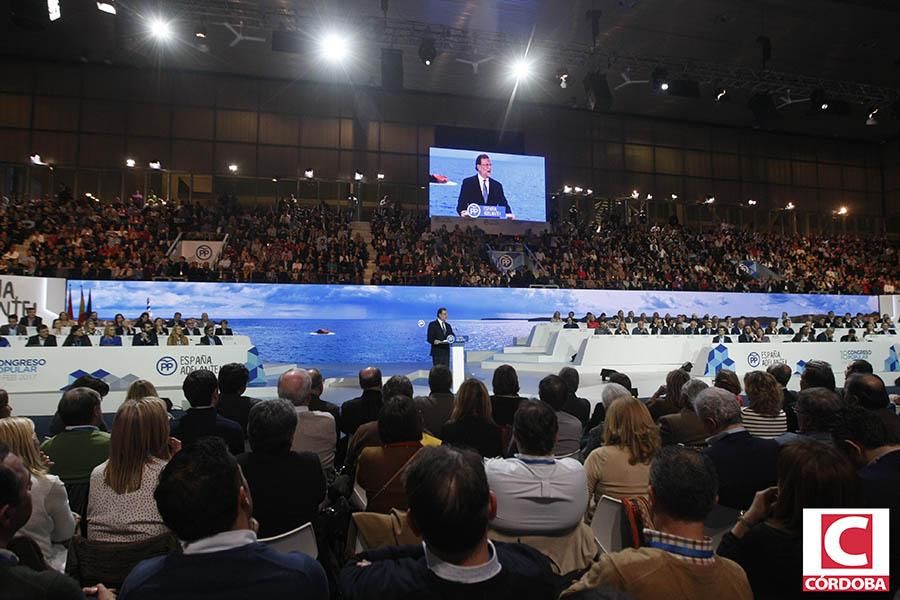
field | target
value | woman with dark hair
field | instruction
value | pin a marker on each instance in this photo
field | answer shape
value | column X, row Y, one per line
column 763, row 417
column 470, row 423
column 728, row 380
column 506, row 399
column 119, row 324
column 159, row 327
column 767, row 540
column 666, row 400
column 77, row 337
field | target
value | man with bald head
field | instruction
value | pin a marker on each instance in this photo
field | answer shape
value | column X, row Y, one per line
column 364, row 408
column 315, row 429
column 868, row 391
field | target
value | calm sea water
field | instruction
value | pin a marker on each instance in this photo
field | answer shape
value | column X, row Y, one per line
column 522, row 180
column 357, row 343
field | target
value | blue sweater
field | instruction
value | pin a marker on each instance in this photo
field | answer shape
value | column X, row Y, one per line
column 251, row 571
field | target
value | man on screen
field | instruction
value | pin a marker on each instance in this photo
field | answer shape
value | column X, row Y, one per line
column 438, row 332
column 481, row 189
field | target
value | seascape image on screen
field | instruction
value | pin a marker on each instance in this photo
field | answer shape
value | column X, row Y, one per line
column 522, row 178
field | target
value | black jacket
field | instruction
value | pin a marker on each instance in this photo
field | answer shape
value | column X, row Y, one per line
column 475, row 433
column 745, row 464
column 35, row 340
column 360, row 410
column 470, row 193
column 196, row 423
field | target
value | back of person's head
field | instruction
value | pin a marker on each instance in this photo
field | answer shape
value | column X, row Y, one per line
column 715, row 405
column 817, row 373
column 233, row 378
column 472, row 400
column 622, row 379
column 866, row 390
column 611, row 392
column 14, row 493
column 683, row 484
column 271, row 425
column 18, row 435
column 571, row 379
column 397, row 385
column 399, row 421
column 856, row 429
column 628, row 425
column 675, row 380
column 141, row 388
column 198, row 491
column 78, row 406
column 449, row 500
column 859, row 366
column 764, row 393
column 505, row 381
column 440, row 379
column 817, row 408
column 727, row 380
column 370, row 378
column 689, row 392
column 812, row 475
column 140, row 432
column 294, row 385
column 534, row 427
column 781, row 372
column 200, row 388
column 552, row 390
column 89, row 381
column 316, row 382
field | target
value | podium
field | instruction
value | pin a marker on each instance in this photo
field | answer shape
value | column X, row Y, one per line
column 458, row 362
column 486, row 211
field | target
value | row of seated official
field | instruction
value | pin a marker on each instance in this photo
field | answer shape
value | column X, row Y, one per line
column 78, row 338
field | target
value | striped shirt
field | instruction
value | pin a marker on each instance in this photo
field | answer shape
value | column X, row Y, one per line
column 699, row 552
column 763, row 426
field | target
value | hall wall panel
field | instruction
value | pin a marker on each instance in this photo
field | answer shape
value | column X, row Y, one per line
column 100, row 150
column 150, row 119
column 278, row 129
column 193, row 123
column 56, row 147
column 104, row 117
column 60, row 114
column 236, row 126
column 191, row 156
column 14, row 145
column 278, row 161
column 15, row 111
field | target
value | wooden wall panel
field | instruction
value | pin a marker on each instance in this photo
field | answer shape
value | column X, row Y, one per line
column 191, row 156
column 193, row 123
column 15, row 111
column 57, row 114
column 103, row 116
column 278, row 129
column 236, row 126
column 150, row 119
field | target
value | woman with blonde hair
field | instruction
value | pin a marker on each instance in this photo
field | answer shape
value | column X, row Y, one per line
column 470, row 423
column 141, row 388
column 120, row 506
column 763, row 417
column 51, row 523
column 177, row 337
column 621, row 466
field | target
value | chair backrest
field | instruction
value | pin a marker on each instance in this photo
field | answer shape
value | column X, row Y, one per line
column 92, row 562
column 358, row 500
column 29, row 553
column 607, row 524
column 719, row 522
column 302, row 539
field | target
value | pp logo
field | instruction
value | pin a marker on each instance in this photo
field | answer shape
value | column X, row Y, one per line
column 846, row 551
column 451, row 339
column 166, row 365
column 204, row 252
column 505, row 262
column 753, row 359
column 421, row 323
column 473, row 210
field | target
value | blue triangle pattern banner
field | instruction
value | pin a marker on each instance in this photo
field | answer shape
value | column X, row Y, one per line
column 717, row 360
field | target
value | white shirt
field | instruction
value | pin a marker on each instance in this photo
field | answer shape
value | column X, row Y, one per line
column 537, row 494
column 315, row 433
column 51, row 519
column 451, row 572
column 220, row 542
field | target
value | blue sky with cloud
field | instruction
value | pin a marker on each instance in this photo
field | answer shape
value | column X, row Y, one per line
column 273, row 301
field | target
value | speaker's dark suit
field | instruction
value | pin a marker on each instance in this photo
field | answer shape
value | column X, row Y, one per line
column 440, row 353
column 470, row 193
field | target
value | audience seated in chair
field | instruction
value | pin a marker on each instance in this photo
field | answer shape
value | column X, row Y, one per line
column 767, row 541
column 201, row 388
column 868, row 391
column 316, row 402
column 782, row 374
column 667, row 399
column 537, row 493
column 438, row 404
column 204, row 499
column 15, row 507
column 763, row 417
column 315, row 429
column 620, row 468
column 817, row 408
column 685, row 427
column 233, row 404
column 89, row 381
column 593, row 438
column 450, row 505
column 51, row 524
column 505, row 400
column 744, row 463
column 471, row 424
column 676, row 562
column 552, row 390
column 287, row 486
column 364, row 408
column 120, row 503
column 575, row 406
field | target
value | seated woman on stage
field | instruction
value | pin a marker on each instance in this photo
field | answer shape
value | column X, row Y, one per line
column 77, row 337
column 177, row 337
column 109, row 337
column 470, row 423
column 556, row 318
column 159, row 327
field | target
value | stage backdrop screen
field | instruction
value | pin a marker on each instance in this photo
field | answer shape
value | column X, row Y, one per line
column 454, row 184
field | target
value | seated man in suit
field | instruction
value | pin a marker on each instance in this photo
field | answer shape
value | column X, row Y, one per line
column 13, row 327
column 43, row 337
column 826, row 336
column 233, row 404
column 685, row 427
column 316, row 402
column 450, row 506
column 867, row 390
column 745, row 464
column 782, row 374
column 721, row 337
column 223, row 328
column 201, row 388
column 436, row 406
column 205, row 501
column 747, row 335
column 364, row 408
column 190, row 327
column 175, row 320
column 575, row 406
column 553, row 390
column 850, row 336
column 147, row 337
column 31, row 319
column 209, row 338
column 481, row 189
